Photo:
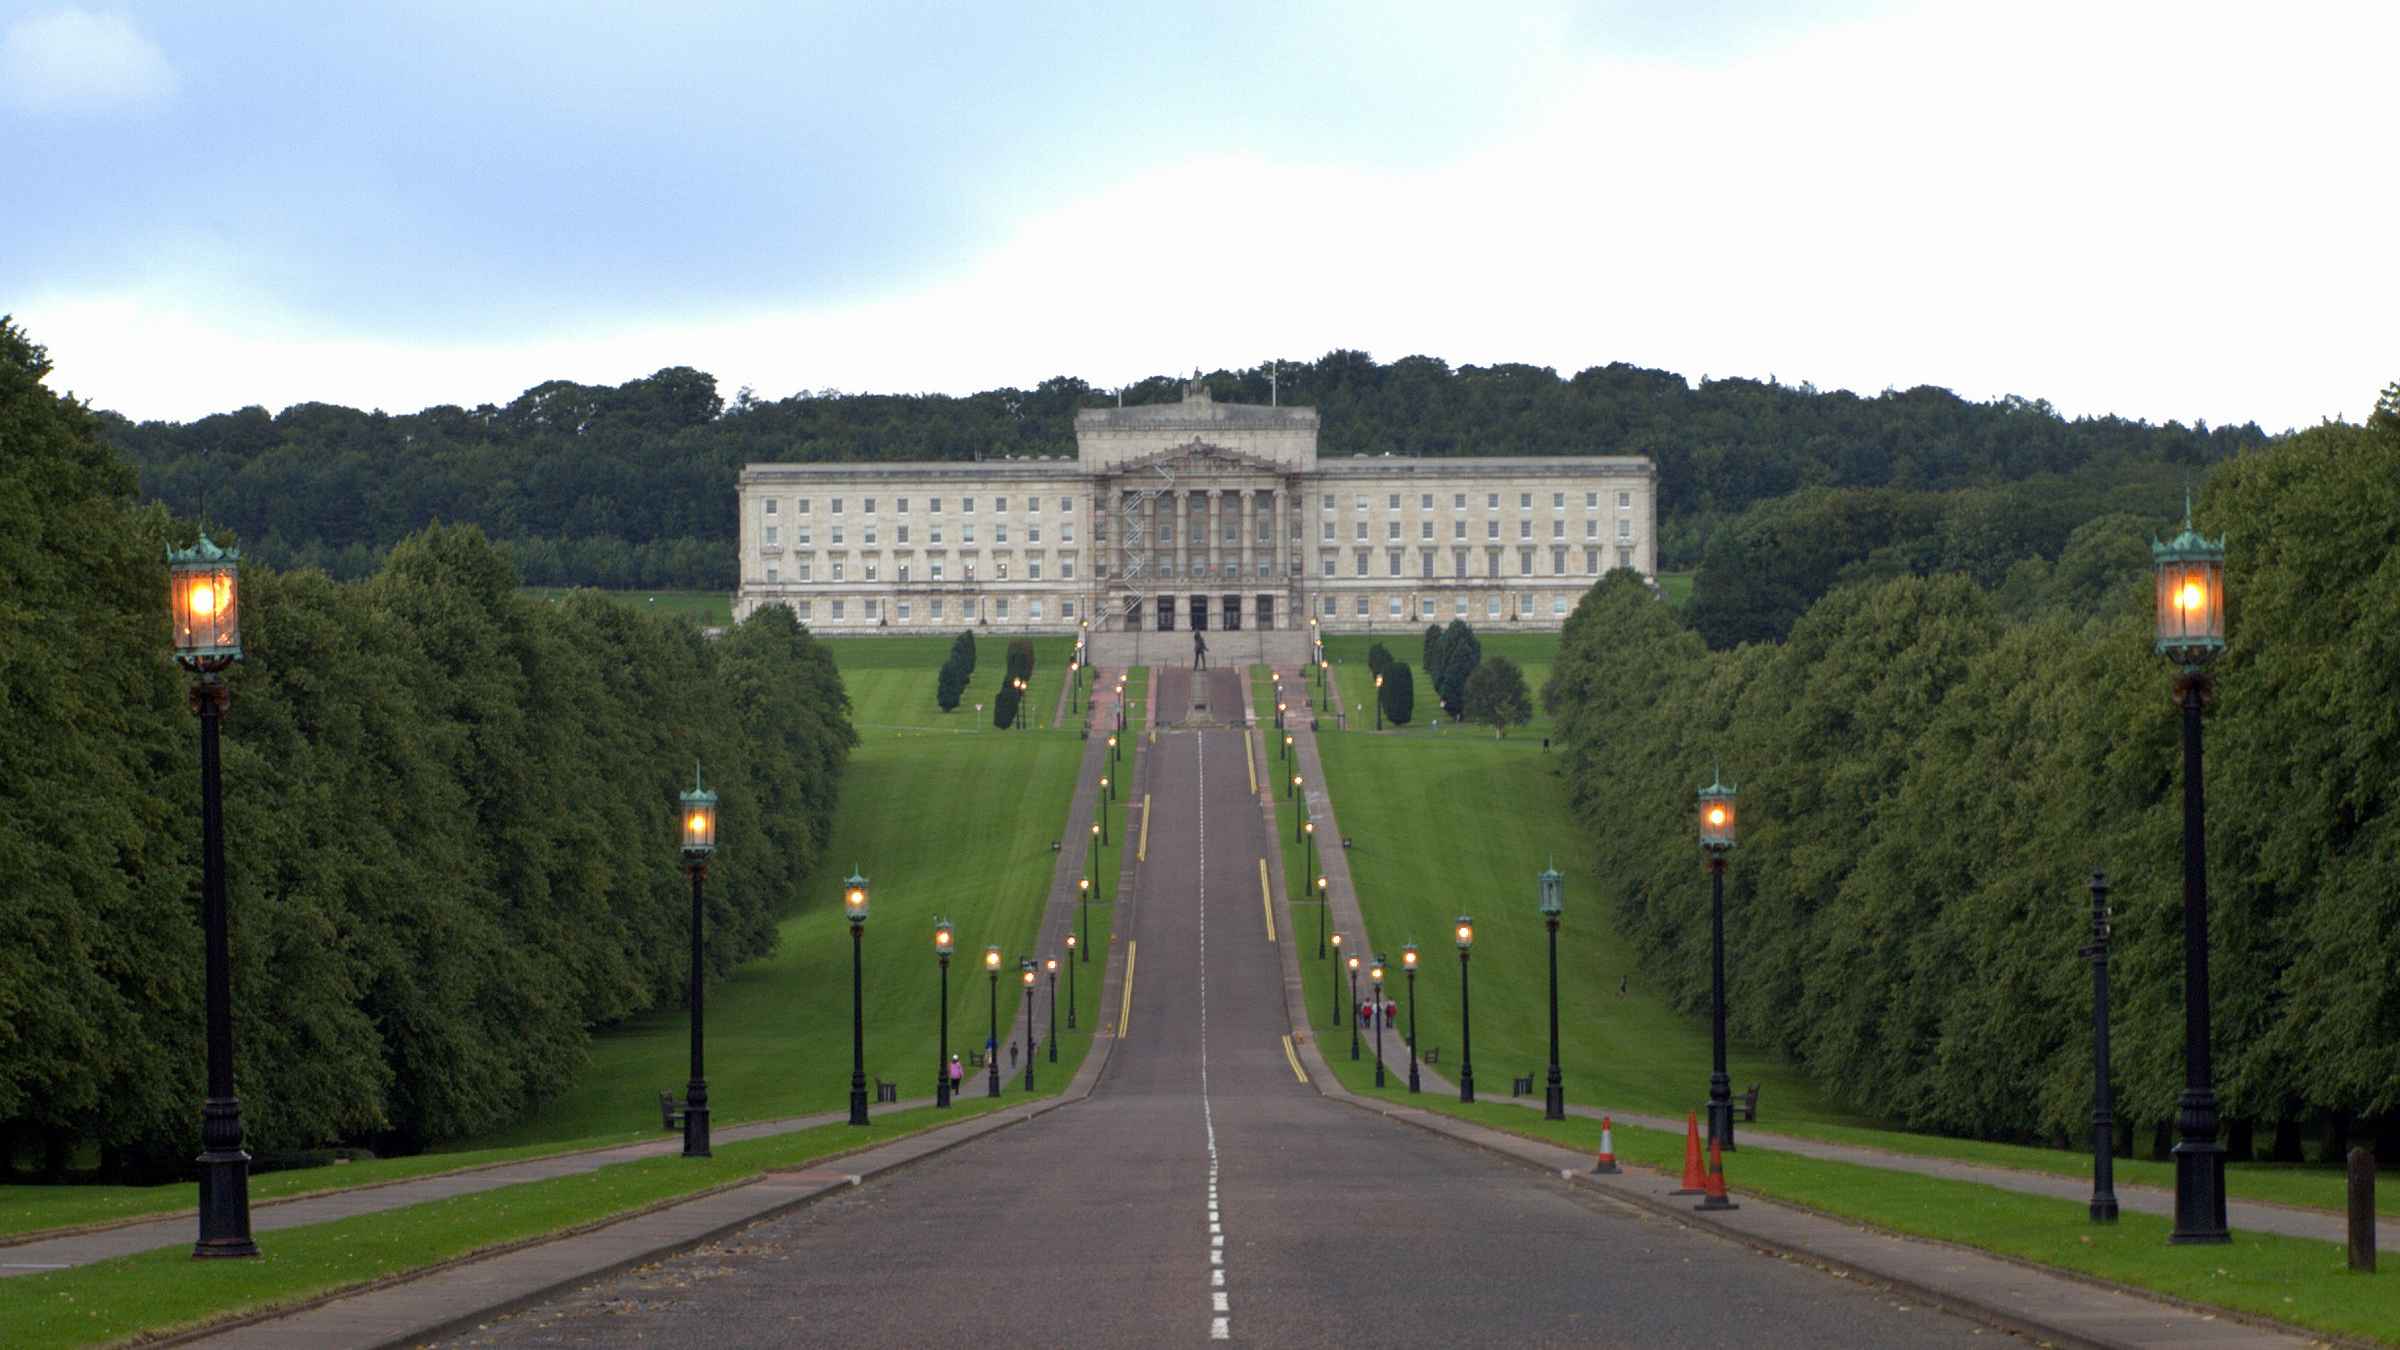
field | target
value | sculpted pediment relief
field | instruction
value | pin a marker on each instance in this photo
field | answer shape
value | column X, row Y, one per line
column 1197, row 456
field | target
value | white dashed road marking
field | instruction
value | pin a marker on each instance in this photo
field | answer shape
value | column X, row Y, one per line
column 1220, row 1327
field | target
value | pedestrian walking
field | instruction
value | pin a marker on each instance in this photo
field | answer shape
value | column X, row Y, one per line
column 958, row 1074
column 1199, row 651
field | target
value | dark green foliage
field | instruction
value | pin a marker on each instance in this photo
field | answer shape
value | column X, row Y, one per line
column 1455, row 658
column 1004, row 707
column 951, row 684
column 1496, row 696
column 449, row 814
column 1379, row 659
column 1020, row 658
column 630, row 486
column 1399, row 693
column 962, row 650
column 1930, row 770
column 1431, row 656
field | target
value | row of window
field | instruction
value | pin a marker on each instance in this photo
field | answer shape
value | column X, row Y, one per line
column 804, row 536
column 1328, row 562
column 933, row 505
column 1491, row 501
column 1430, row 607
column 871, row 569
column 969, row 608
column 1491, row 529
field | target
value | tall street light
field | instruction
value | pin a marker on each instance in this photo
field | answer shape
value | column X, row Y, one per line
column 1075, row 685
column 2104, row 1123
column 1071, row 945
column 1352, row 962
column 1336, row 959
column 1324, row 903
column 1112, row 749
column 1375, row 985
column 1050, row 964
column 1294, row 793
column 1025, row 970
column 1287, row 749
column 2191, row 633
column 1553, row 901
column 1083, row 905
column 1379, row 703
column 204, row 616
column 699, row 841
column 1465, row 931
column 944, row 939
column 854, row 908
column 1408, row 961
column 991, row 1043
column 1717, row 823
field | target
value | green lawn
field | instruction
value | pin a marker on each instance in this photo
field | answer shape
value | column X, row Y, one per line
column 891, row 682
column 2289, row 1279
column 164, row 1290
column 1442, row 825
column 710, row 609
column 1534, row 652
column 1677, row 586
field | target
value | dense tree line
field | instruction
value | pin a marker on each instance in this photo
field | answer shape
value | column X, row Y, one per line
column 449, row 811
column 1931, row 768
column 633, row 485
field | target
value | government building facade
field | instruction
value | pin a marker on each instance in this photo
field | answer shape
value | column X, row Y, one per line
column 1198, row 515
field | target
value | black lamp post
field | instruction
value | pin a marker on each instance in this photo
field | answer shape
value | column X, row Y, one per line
column 1466, row 1033
column 944, row 938
column 1294, row 793
column 1716, row 839
column 1352, row 963
column 1279, row 711
column 1408, row 961
column 2191, row 633
column 1075, row 684
column 1287, row 749
column 1112, row 741
column 1375, row 987
column 1379, row 703
column 1553, row 901
column 1050, row 964
column 1025, row 970
column 2104, row 1122
column 1083, row 905
column 1108, row 792
column 991, row 1043
column 1324, row 903
column 854, row 908
column 1071, row 945
column 1336, row 958
column 204, row 613
column 699, row 841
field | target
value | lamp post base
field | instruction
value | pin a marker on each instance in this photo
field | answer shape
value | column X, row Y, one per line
column 695, row 1124
column 2199, row 1192
column 224, row 1203
column 1554, row 1100
column 1720, row 1122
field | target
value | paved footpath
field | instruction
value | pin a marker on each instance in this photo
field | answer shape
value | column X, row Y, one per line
column 2045, row 1305
column 1207, row 1192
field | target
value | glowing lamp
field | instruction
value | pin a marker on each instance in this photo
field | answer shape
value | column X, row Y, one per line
column 854, row 898
column 991, row 958
column 1465, row 932
column 1408, row 957
column 1554, row 893
column 204, row 605
column 699, row 821
column 2191, row 595
column 945, row 938
column 1717, row 817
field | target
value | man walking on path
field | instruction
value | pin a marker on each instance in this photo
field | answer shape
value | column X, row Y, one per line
column 1199, row 652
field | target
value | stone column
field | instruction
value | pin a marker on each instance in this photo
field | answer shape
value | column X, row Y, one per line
column 1182, row 499
column 1247, row 522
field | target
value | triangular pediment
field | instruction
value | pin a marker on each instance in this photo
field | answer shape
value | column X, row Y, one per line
column 1200, row 456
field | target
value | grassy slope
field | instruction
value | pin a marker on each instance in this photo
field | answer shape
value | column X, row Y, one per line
column 1534, row 652
column 713, row 609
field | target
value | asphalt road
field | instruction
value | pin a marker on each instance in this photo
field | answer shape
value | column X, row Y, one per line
column 1204, row 1193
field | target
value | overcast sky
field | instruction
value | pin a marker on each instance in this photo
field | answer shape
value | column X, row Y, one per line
column 2176, row 210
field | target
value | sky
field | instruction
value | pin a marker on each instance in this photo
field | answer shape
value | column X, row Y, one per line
column 2172, row 211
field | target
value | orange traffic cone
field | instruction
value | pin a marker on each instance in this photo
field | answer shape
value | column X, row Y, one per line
column 1715, row 1199
column 1694, row 1182
column 1606, row 1163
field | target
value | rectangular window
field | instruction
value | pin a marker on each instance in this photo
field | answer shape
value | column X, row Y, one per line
column 1524, row 501
column 1624, row 528
column 1033, row 534
column 1461, row 607
column 837, row 611
column 1328, row 501
column 873, row 566
column 935, row 507
column 1491, row 501
column 1033, row 610
column 904, row 534
column 1362, row 530
column 1524, row 562
column 1395, row 610
column 935, row 574
column 1033, row 506
column 771, row 506
column 803, row 534
column 837, row 534
column 1000, row 568
column 933, row 610
column 804, row 569
column 837, row 506
column 869, row 508
column 967, row 504
column 1425, row 529
column 1425, row 562
column 1362, row 501
column 1491, row 607
column 1458, row 562
column 904, row 611
column 1491, row 529
column 801, row 506
column 1458, row 529
column 1558, row 605
column 771, row 577
column 1591, row 561
column 969, row 565
column 874, row 610
column 1558, row 562
column 1424, row 501
column 966, row 533
column 1391, row 558
column 901, row 506
column 774, row 537
column 1591, row 501
column 1328, row 532
column 1033, row 569
column 837, row 569
column 1000, row 608
column 1066, row 608
column 1066, row 505
column 1362, row 607
column 1558, row 502
column 1525, row 529
column 1558, row 529
column 1591, row 529
column 1624, row 557
column 1391, row 529
column 999, row 531
column 1624, row 501
column 1066, row 533
column 870, row 534
column 933, row 534
column 1524, row 602
column 1066, row 568
column 1332, row 607
column 1327, row 560
column 1360, row 567
column 802, row 608
column 904, row 574
column 1393, row 504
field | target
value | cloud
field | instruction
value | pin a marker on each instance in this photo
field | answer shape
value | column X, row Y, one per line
column 77, row 61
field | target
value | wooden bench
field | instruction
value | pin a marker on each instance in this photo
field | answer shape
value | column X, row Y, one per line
column 974, row 1059
column 670, row 1112
column 1747, row 1103
column 1433, row 1056
column 1521, row 1085
column 886, row 1092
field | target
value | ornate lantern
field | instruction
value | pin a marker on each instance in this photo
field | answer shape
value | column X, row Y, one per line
column 2191, row 595
column 204, row 605
column 699, row 821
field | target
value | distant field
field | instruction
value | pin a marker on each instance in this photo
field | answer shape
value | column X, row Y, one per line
column 710, row 609
column 1678, row 587
column 1534, row 652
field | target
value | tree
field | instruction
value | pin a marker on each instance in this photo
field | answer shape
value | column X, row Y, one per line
column 962, row 650
column 1004, row 707
column 1379, row 659
column 951, row 684
column 1399, row 694
column 1431, row 659
column 1459, row 652
column 1496, row 696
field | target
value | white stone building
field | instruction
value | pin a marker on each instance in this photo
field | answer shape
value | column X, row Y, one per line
column 1191, row 515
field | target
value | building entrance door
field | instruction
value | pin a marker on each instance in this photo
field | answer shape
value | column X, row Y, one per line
column 1264, row 612
column 1199, row 613
column 1166, row 614
column 1133, row 613
column 1233, row 613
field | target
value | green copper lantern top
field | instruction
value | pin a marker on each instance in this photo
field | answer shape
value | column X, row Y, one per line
column 1554, row 893
column 699, row 819
column 854, row 897
column 1717, row 816
column 204, row 605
